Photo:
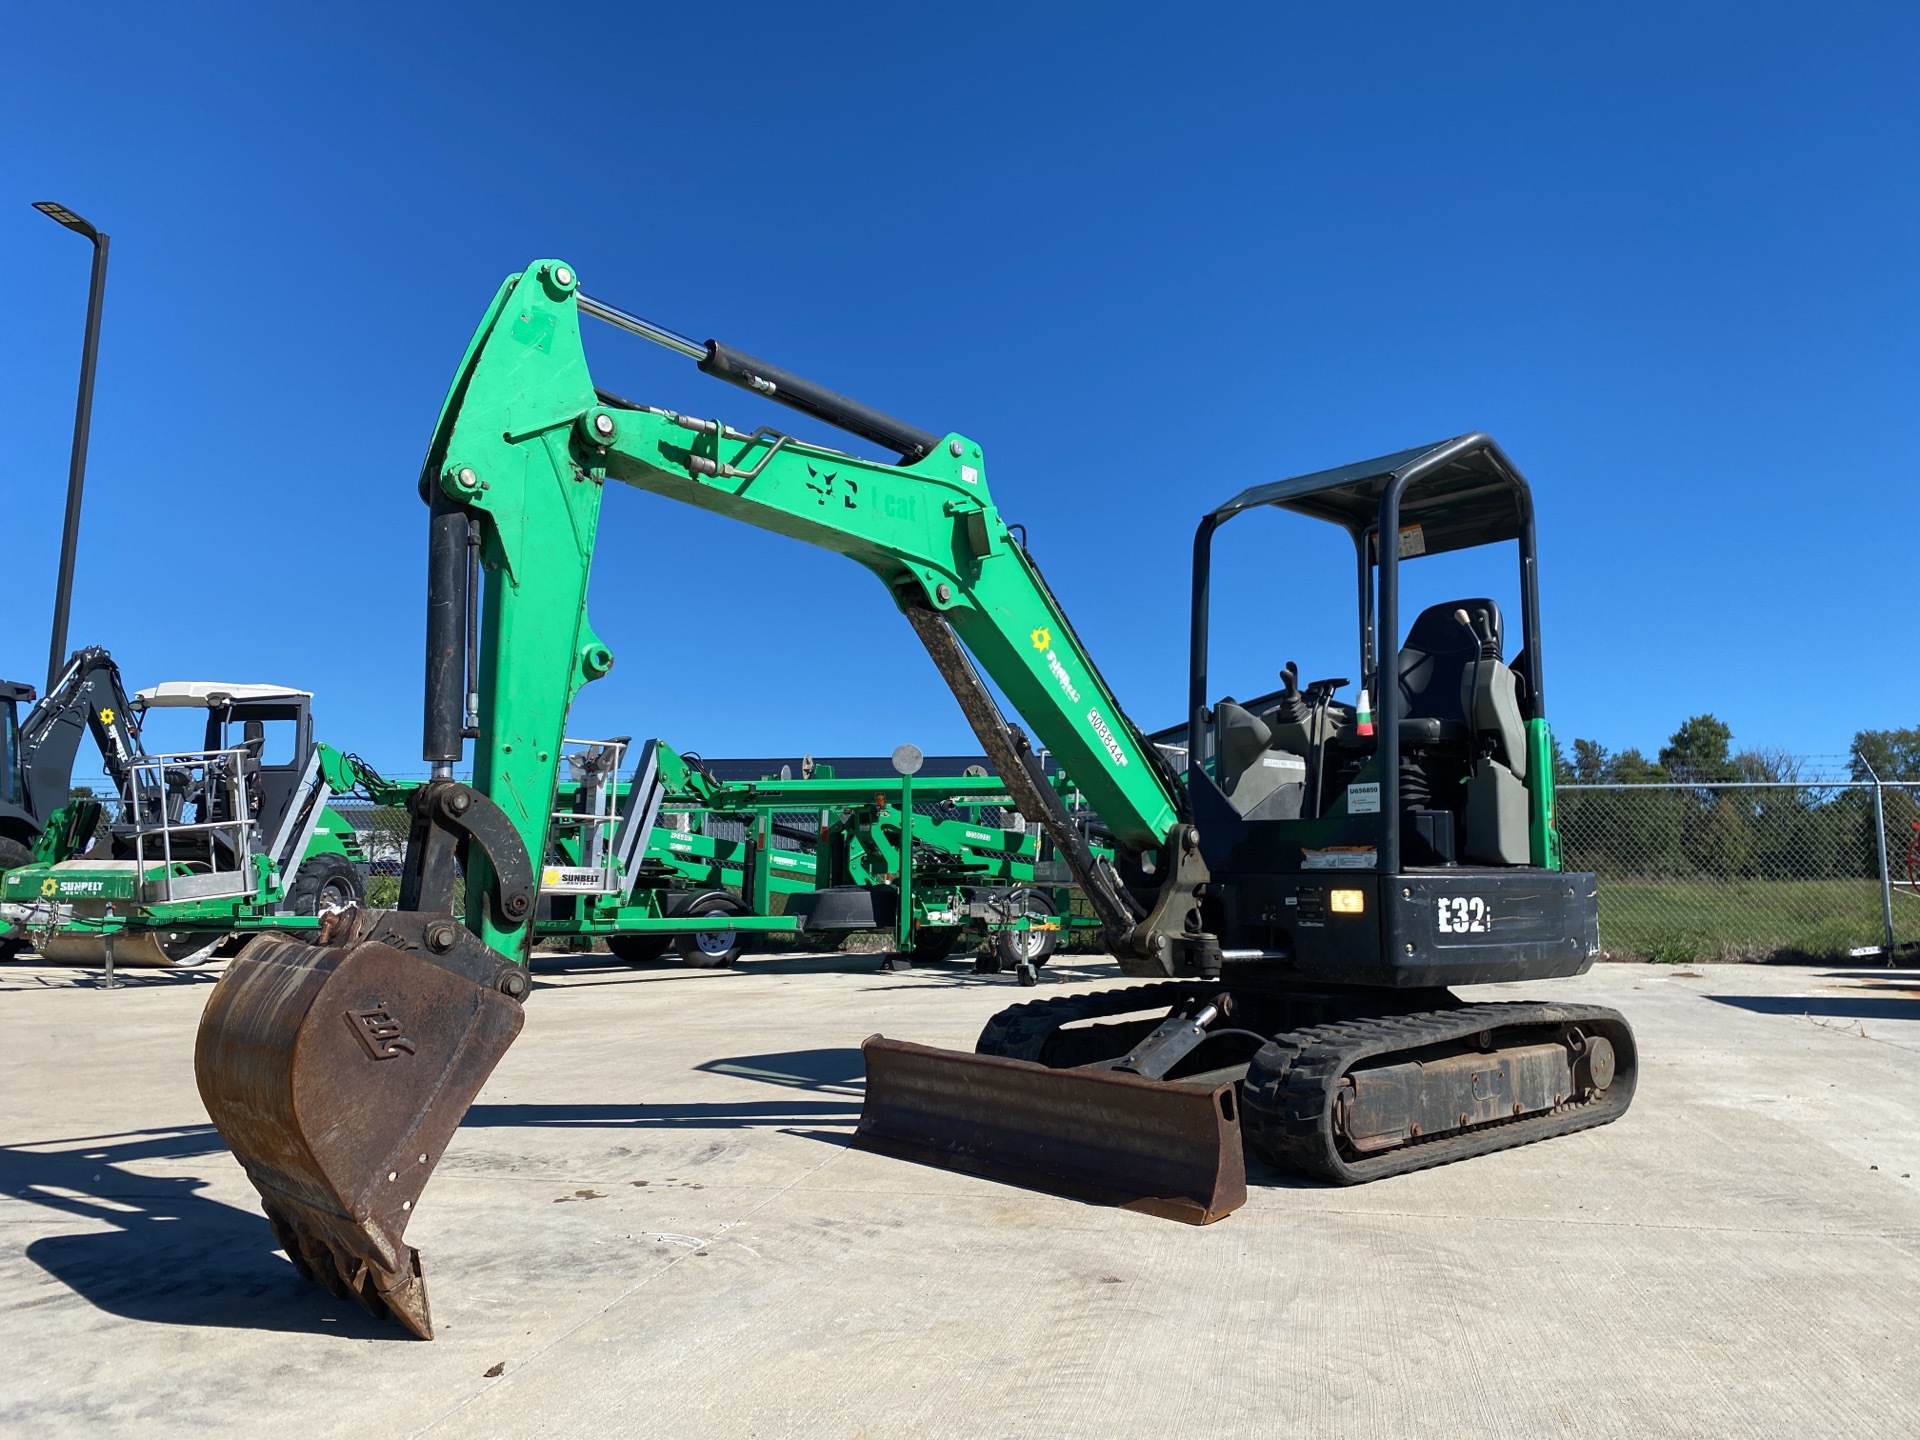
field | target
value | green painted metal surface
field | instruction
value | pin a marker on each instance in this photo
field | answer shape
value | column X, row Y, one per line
column 1543, row 834
column 524, row 440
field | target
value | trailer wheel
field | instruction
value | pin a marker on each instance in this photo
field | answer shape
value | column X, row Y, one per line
column 638, row 949
column 713, row 949
column 13, row 855
column 934, row 942
column 1013, row 948
column 325, row 882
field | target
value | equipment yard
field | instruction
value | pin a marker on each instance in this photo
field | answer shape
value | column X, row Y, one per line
column 651, row 1225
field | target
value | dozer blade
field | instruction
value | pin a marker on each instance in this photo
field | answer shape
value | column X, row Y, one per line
column 337, row 1076
column 1167, row 1148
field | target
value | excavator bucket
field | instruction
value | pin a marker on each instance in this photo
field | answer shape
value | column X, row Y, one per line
column 337, row 1076
column 1166, row 1148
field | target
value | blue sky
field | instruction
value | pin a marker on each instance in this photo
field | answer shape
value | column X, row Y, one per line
column 1664, row 253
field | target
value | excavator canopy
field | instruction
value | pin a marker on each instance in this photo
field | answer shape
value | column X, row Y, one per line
column 1460, row 492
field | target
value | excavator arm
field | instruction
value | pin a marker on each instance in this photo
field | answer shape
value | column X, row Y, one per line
column 338, row 1073
column 526, row 441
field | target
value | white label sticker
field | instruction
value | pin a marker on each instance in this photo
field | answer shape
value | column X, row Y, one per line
column 1338, row 860
column 969, row 474
column 571, row 878
column 1284, row 762
column 1364, row 799
column 1413, row 541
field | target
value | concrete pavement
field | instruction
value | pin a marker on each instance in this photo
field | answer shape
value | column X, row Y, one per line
column 651, row 1225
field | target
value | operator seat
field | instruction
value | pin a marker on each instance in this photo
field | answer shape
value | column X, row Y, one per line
column 1457, row 696
column 1438, row 684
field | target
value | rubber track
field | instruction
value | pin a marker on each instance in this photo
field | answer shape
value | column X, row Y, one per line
column 1286, row 1103
column 1021, row 1032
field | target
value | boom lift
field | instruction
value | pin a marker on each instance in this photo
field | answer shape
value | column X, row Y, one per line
column 1300, row 950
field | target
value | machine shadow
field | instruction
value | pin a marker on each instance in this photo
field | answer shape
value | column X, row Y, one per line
column 172, row 1256
column 34, row 975
column 753, row 1115
column 836, row 1072
column 1842, row 1007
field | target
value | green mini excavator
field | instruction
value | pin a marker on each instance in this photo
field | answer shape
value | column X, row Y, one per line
column 1299, row 902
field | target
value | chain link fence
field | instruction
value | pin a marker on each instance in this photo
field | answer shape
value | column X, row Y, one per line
column 1749, row 870
column 1801, row 870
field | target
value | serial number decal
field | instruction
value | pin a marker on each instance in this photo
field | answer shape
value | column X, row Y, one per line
column 1105, row 733
column 1464, row 915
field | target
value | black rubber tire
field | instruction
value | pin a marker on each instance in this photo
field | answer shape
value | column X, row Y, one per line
column 934, row 942
column 638, row 949
column 13, row 854
column 332, row 878
column 1036, row 947
column 713, row 949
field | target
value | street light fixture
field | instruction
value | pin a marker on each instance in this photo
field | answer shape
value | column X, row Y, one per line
column 82, row 425
column 62, row 215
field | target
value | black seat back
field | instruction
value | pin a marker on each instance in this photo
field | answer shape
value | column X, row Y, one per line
column 1437, row 653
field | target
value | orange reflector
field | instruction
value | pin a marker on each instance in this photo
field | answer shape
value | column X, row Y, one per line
column 1348, row 902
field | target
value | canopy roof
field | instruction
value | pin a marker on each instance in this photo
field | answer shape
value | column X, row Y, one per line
column 1461, row 492
column 205, row 694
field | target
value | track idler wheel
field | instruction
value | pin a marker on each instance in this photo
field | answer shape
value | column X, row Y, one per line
column 338, row 1074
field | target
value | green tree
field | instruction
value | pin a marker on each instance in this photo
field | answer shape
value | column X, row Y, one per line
column 1890, row 754
column 1701, row 751
column 1589, row 766
column 1719, row 837
column 1630, row 767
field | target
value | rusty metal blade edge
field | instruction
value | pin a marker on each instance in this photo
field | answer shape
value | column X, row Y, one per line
column 1160, row 1148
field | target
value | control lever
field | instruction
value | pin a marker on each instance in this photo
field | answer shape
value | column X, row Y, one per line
column 1319, row 698
column 1486, row 648
column 1292, row 707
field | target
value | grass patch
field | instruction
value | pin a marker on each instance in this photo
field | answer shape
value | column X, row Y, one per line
column 1680, row 922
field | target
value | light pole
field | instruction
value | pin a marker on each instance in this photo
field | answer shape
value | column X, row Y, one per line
column 82, row 424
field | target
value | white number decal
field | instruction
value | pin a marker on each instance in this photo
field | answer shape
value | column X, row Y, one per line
column 1463, row 915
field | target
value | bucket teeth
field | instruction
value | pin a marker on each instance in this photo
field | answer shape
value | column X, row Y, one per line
column 337, row 1076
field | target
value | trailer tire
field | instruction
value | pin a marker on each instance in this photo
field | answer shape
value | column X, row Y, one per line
column 934, row 942
column 638, row 949
column 712, row 949
column 13, row 854
column 329, row 882
column 1012, row 948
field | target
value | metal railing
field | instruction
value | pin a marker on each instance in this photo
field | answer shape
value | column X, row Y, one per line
column 162, row 791
column 1747, row 870
column 594, row 767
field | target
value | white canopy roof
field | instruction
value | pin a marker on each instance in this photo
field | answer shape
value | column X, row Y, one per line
column 203, row 693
